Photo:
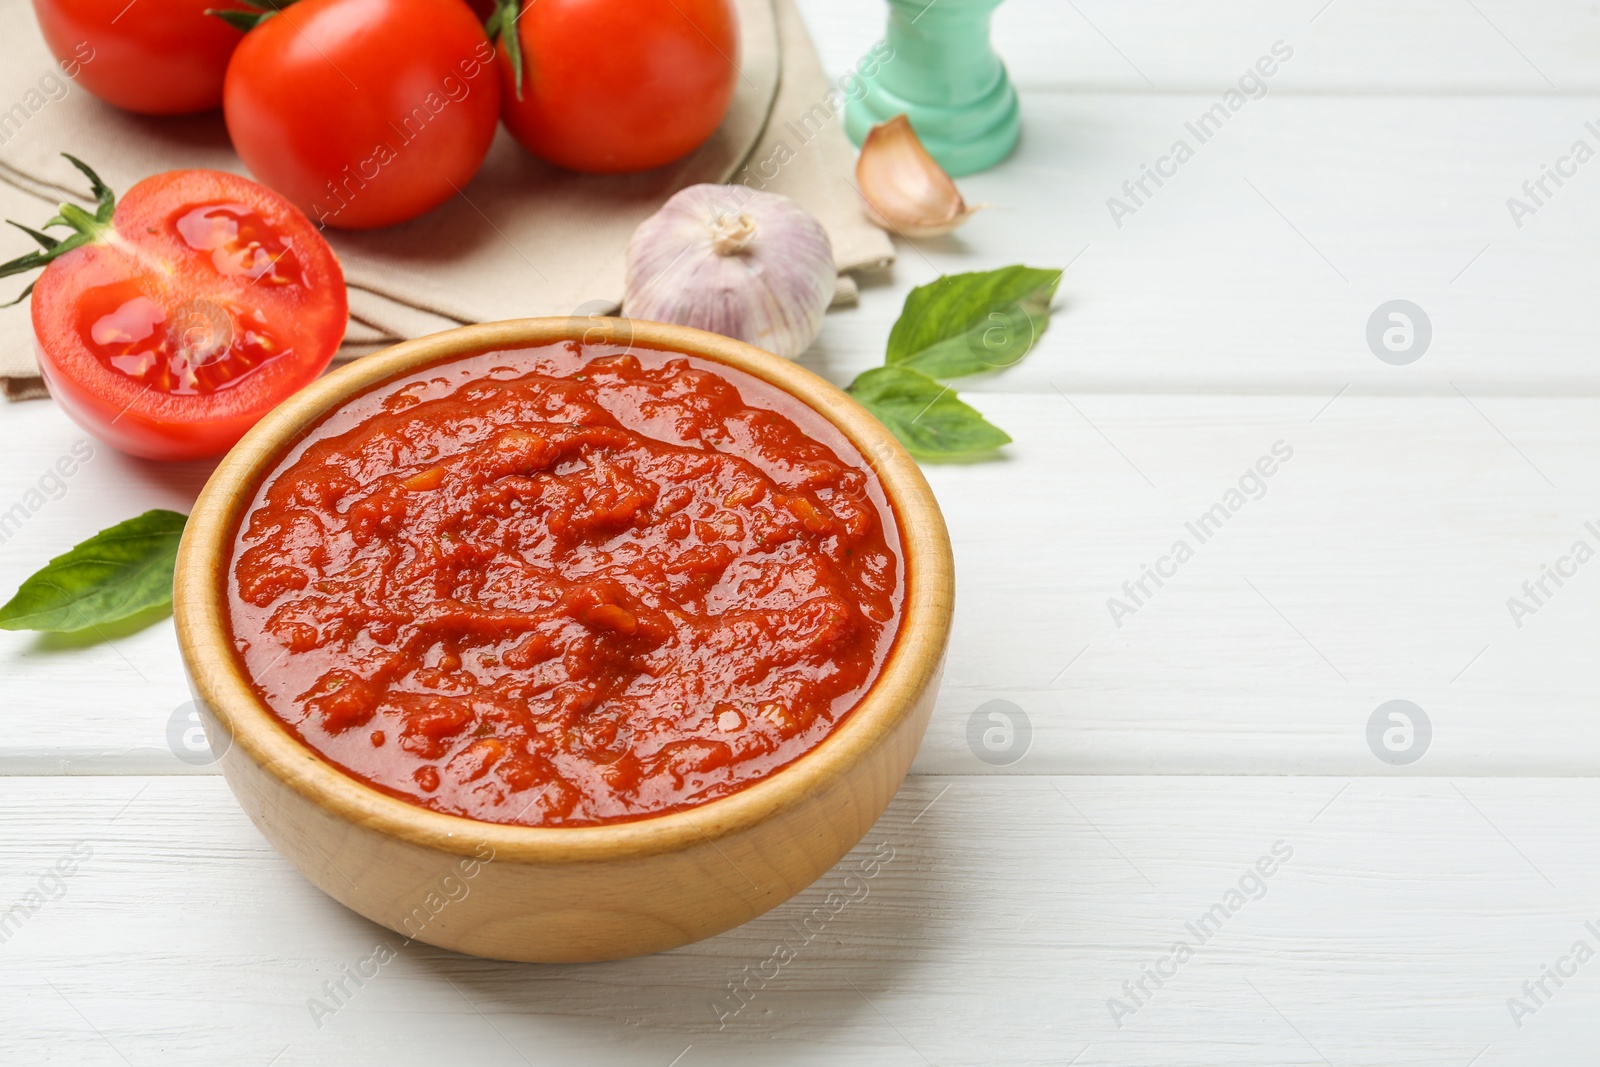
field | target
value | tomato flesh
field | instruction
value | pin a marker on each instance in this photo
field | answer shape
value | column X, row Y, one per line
column 242, row 243
column 213, row 300
column 204, row 346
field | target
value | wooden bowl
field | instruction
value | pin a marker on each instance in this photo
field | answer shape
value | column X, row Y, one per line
column 561, row 894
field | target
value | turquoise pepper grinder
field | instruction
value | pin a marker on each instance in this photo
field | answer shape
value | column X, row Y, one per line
column 946, row 77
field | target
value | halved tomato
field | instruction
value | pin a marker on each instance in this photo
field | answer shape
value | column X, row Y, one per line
column 186, row 312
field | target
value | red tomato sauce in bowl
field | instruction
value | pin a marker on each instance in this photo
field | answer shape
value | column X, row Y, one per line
column 566, row 586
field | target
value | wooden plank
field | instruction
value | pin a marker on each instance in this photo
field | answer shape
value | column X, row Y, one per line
column 1344, row 46
column 87, row 700
column 1376, row 565
column 1258, row 265
column 1397, row 919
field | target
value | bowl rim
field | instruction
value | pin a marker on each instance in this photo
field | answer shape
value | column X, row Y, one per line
column 220, row 683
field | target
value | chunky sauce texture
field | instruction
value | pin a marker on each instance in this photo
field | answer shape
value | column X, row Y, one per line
column 568, row 585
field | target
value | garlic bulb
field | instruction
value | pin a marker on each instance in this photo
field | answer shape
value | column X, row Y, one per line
column 753, row 266
column 905, row 190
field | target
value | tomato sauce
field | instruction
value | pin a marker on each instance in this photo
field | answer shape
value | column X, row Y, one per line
column 566, row 586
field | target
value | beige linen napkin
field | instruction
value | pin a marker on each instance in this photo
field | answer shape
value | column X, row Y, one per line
column 523, row 239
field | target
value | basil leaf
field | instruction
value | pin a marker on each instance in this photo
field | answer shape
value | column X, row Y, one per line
column 925, row 415
column 970, row 323
column 118, row 572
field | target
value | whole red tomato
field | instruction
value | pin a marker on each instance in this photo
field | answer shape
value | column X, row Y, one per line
column 170, row 322
column 616, row 87
column 364, row 112
column 161, row 57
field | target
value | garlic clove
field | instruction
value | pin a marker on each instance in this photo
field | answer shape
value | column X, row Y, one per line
column 905, row 189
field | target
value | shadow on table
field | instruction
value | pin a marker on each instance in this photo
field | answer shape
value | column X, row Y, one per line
column 822, row 957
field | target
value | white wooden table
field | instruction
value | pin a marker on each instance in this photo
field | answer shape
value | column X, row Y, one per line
column 1224, row 721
